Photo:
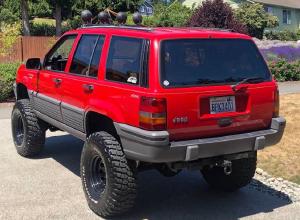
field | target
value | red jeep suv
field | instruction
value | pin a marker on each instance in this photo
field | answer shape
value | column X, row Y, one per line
column 142, row 98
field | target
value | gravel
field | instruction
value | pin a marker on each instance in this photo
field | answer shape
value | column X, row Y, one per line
column 278, row 187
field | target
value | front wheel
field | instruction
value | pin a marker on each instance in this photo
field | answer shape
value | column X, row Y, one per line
column 109, row 182
column 27, row 130
column 242, row 173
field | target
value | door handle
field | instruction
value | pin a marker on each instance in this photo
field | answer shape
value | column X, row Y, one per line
column 57, row 81
column 88, row 87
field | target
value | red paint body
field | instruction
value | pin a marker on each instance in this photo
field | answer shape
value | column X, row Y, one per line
column 121, row 102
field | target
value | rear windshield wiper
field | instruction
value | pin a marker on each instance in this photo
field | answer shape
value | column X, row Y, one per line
column 247, row 80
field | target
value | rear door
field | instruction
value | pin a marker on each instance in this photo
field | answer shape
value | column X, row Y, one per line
column 202, row 100
column 48, row 97
column 79, row 82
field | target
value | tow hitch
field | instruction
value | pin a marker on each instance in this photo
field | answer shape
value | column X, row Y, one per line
column 227, row 166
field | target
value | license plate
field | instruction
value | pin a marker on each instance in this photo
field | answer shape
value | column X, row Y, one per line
column 222, row 104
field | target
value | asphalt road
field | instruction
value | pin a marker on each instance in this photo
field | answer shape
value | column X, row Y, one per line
column 49, row 187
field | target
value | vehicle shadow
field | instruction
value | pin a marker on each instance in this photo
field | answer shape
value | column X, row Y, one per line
column 185, row 196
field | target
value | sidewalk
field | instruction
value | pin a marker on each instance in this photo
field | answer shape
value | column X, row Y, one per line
column 289, row 87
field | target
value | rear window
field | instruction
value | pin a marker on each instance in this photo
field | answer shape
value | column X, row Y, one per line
column 194, row 62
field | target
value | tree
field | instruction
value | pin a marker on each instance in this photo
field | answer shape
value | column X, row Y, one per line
column 95, row 6
column 25, row 17
column 10, row 11
column 216, row 14
column 255, row 18
column 174, row 15
column 61, row 9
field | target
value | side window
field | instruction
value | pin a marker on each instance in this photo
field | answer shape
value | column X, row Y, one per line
column 87, row 56
column 57, row 58
column 124, row 63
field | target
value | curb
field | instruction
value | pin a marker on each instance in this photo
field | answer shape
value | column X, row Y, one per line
column 6, row 104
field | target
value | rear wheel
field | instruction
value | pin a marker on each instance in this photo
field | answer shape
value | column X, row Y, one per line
column 242, row 173
column 109, row 182
column 27, row 130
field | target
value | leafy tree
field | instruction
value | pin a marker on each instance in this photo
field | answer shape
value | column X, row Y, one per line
column 95, row 6
column 10, row 11
column 216, row 14
column 40, row 8
column 7, row 16
column 255, row 18
column 174, row 15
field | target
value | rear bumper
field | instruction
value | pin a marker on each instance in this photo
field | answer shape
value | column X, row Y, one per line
column 155, row 147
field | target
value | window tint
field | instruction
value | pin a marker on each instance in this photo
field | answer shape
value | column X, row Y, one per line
column 57, row 58
column 210, row 61
column 124, row 60
column 93, row 71
column 87, row 55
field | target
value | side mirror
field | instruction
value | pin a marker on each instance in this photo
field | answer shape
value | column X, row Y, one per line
column 33, row 63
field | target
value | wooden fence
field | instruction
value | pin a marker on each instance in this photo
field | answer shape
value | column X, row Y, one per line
column 27, row 47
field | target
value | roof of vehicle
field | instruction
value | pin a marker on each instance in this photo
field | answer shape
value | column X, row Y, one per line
column 164, row 32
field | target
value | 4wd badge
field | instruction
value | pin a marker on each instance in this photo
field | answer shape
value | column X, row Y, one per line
column 181, row 120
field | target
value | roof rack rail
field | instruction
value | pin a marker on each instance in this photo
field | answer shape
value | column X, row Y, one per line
column 213, row 29
column 128, row 27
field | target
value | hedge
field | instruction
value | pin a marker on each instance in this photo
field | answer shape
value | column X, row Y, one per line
column 7, row 78
column 285, row 71
column 284, row 35
column 281, row 70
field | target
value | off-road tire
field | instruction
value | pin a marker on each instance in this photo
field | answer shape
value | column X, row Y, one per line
column 243, row 171
column 33, row 140
column 117, row 189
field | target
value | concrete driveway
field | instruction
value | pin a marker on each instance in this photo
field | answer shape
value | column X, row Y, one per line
column 49, row 187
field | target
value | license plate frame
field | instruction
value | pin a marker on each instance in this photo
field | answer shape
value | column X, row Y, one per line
column 222, row 104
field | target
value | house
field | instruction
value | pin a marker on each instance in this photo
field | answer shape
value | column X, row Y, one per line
column 287, row 11
column 146, row 8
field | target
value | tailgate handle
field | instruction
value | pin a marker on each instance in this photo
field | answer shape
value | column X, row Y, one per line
column 223, row 122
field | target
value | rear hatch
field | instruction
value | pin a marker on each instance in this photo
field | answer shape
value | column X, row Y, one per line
column 215, row 87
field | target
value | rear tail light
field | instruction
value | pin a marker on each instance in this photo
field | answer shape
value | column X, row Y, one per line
column 276, row 104
column 153, row 113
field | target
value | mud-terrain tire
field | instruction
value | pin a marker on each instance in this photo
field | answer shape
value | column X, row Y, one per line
column 243, row 171
column 108, row 179
column 27, row 130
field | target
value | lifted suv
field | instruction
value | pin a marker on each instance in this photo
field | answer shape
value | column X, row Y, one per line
column 140, row 98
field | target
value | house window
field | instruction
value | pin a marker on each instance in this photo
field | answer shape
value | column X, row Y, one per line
column 269, row 9
column 149, row 10
column 142, row 9
column 287, row 15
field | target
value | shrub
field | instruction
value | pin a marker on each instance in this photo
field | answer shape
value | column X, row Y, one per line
column 174, row 15
column 8, row 37
column 7, row 78
column 285, row 71
column 277, row 53
column 285, row 35
column 255, row 18
column 45, row 29
column 216, row 14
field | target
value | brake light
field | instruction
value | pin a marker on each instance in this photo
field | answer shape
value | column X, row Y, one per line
column 153, row 113
column 276, row 104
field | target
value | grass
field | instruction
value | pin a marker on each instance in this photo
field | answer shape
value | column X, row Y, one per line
column 283, row 159
column 48, row 21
